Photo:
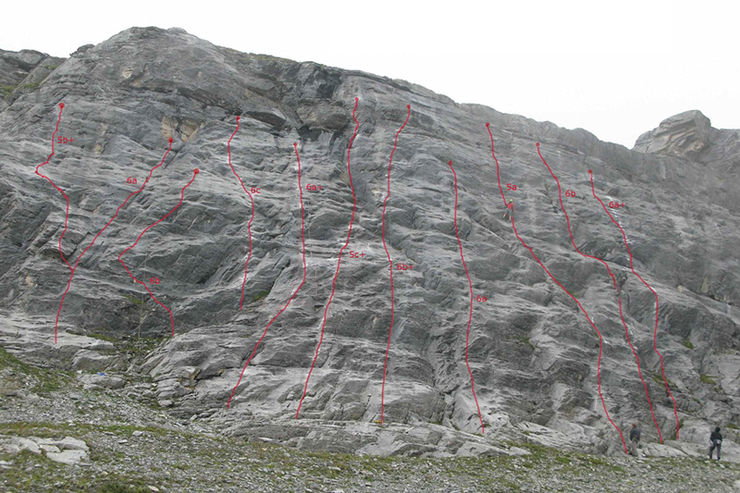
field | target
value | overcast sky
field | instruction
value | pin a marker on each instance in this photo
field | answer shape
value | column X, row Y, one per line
column 614, row 68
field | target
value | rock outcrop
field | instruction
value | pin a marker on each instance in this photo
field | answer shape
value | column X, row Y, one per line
column 684, row 135
column 67, row 451
column 22, row 72
column 532, row 354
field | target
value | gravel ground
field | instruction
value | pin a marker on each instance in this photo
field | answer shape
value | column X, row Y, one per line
column 137, row 447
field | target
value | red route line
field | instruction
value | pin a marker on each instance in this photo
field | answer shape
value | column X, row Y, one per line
column 510, row 205
column 251, row 217
column 110, row 221
column 616, row 288
column 470, row 311
column 66, row 198
column 655, row 294
column 390, row 264
column 339, row 258
column 151, row 294
column 295, row 293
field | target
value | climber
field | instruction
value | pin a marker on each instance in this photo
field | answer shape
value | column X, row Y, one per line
column 634, row 438
column 715, row 440
column 509, row 207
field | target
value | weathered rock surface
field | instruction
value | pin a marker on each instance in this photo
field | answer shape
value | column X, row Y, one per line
column 101, row 380
column 68, row 450
column 684, row 135
column 532, row 354
column 22, row 72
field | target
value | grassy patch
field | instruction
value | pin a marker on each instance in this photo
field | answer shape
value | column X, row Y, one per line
column 658, row 378
column 22, row 429
column 261, row 295
column 710, row 379
column 60, row 430
column 525, row 340
column 29, row 470
column 6, row 90
column 122, row 487
column 98, row 334
column 687, row 343
column 34, row 472
column 46, row 380
column 139, row 346
column 32, row 86
column 537, row 451
column 596, row 461
column 134, row 300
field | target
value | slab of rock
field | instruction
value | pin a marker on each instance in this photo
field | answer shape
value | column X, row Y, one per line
column 69, row 457
column 88, row 360
column 66, row 443
column 101, row 381
column 661, row 450
column 13, row 445
column 49, row 448
column 68, row 450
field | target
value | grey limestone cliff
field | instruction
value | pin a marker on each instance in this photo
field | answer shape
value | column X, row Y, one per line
column 532, row 353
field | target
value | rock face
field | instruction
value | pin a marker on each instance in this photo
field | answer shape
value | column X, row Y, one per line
column 532, row 353
column 22, row 72
column 684, row 135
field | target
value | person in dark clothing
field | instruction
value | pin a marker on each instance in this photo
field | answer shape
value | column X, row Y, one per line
column 715, row 442
column 634, row 438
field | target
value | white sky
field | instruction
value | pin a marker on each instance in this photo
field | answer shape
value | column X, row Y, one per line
column 614, row 68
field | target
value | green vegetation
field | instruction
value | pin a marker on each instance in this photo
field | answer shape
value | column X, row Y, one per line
column 121, row 487
column 139, row 345
column 260, row 295
column 32, row 86
column 274, row 464
column 6, row 90
column 526, row 341
column 29, row 470
column 710, row 379
column 60, row 430
column 687, row 343
column 46, row 379
column 98, row 334
column 658, row 378
column 134, row 299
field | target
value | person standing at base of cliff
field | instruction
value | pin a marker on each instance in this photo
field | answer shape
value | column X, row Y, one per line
column 634, row 438
column 715, row 440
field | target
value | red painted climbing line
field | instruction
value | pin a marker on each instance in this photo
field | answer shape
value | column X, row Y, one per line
column 66, row 198
column 655, row 294
column 120, row 255
column 251, row 217
column 510, row 205
column 92, row 242
column 390, row 264
column 470, row 292
column 295, row 293
column 614, row 285
column 339, row 258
